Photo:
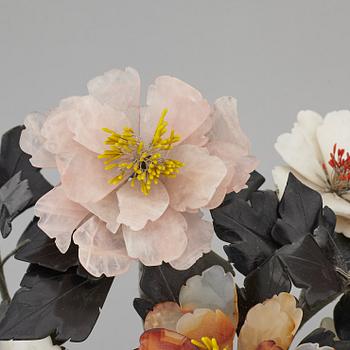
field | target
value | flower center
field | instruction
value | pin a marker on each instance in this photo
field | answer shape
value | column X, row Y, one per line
column 207, row 344
column 340, row 164
column 139, row 162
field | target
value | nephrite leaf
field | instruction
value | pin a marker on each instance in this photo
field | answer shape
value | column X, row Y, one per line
column 325, row 337
column 299, row 212
column 43, row 251
column 309, row 269
column 63, row 305
column 342, row 317
column 245, row 220
column 14, row 161
column 15, row 196
column 163, row 283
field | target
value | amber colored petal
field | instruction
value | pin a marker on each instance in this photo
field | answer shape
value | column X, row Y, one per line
column 268, row 345
column 163, row 339
column 164, row 315
column 208, row 323
column 277, row 319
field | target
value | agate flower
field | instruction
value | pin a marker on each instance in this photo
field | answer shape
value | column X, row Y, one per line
column 133, row 179
column 206, row 316
column 317, row 153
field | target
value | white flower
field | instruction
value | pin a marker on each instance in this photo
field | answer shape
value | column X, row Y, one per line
column 310, row 346
column 43, row 344
column 316, row 152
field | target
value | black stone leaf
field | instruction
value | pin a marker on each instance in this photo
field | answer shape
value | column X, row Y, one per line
column 269, row 279
column 310, row 270
column 14, row 161
column 143, row 307
column 325, row 337
column 63, row 305
column 342, row 317
column 246, row 225
column 15, row 196
column 343, row 245
column 163, row 283
column 299, row 212
column 42, row 250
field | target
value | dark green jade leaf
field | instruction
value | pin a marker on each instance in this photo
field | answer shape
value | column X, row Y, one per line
column 163, row 283
column 342, row 317
column 61, row 304
column 42, row 250
column 21, row 184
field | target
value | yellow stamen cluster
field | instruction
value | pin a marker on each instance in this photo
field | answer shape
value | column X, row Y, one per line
column 142, row 163
column 207, row 344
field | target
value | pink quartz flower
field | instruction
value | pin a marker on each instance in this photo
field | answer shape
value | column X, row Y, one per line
column 133, row 179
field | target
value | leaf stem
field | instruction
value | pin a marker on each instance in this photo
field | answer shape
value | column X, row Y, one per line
column 4, row 292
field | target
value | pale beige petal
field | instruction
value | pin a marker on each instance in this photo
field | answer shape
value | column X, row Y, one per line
column 343, row 226
column 136, row 209
column 164, row 315
column 276, row 319
column 214, row 289
column 197, row 181
column 89, row 118
column 107, row 210
column 101, row 252
column 187, row 109
column 334, row 130
column 33, row 143
column 298, row 149
column 199, row 234
column 59, row 216
column 162, row 240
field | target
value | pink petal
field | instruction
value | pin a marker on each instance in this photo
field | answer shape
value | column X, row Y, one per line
column 136, row 209
column 84, row 177
column 107, row 210
column 239, row 165
column 59, row 139
column 101, row 251
column 200, row 136
column 88, row 119
column 33, row 143
column 187, row 109
column 162, row 240
column 120, row 90
column 197, row 181
column 226, row 126
column 59, row 216
column 199, row 234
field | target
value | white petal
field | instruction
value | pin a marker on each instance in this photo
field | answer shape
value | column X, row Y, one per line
column 339, row 205
column 43, row 344
column 310, row 346
column 334, row 130
column 298, row 149
column 101, row 251
column 136, row 209
column 59, row 216
column 343, row 226
column 199, row 234
column 33, row 143
column 214, row 289
column 162, row 240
